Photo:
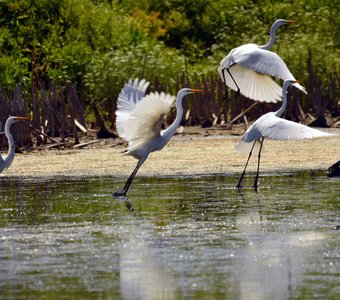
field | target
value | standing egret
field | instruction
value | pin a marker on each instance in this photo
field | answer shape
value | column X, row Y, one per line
column 272, row 126
column 139, row 120
column 7, row 160
column 248, row 69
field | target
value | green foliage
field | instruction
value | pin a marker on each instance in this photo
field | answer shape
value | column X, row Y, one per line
column 99, row 44
column 106, row 74
column 205, row 31
column 57, row 39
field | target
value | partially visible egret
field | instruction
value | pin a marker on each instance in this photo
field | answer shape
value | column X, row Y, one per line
column 139, row 120
column 272, row 126
column 334, row 170
column 7, row 160
column 248, row 69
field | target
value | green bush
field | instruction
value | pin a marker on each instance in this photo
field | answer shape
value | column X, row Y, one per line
column 106, row 74
column 100, row 44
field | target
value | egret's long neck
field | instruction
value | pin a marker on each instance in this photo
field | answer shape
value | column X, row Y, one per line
column 272, row 39
column 281, row 110
column 170, row 131
column 11, row 148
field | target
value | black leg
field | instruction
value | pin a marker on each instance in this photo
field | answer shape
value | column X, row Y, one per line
column 258, row 165
column 238, row 89
column 245, row 167
column 225, row 84
column 122, row 193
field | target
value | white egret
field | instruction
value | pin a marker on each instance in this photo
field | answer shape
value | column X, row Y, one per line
column 139, row 120
column 272, row 126
column 7, row 160
column 249, row 68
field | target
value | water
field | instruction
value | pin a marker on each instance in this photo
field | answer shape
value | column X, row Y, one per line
column 175, row 238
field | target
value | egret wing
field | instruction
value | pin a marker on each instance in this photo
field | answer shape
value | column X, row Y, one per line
column 265, row 62
column 252, row 135
column 275, row 128
column 144, row 121
column 254, row 85
column 131, row 94
column 287, row 130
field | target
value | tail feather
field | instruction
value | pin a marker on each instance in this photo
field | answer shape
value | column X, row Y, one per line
column 300, row 87
column 245, row 147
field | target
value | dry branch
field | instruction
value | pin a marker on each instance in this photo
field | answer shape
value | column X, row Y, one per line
column 85, row 144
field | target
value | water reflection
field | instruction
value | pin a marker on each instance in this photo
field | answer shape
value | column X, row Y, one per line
column 143, row 272
column 174, row 238
column 271, row 264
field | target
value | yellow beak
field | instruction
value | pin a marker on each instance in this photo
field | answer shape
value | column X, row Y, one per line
column 22, row 118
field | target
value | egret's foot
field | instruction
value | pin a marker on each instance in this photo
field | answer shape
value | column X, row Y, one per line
column 119, row 194
column 237, row 93
column 256, row 182
column 239, row 186
column 129, row 206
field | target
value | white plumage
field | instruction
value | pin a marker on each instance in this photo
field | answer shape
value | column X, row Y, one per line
column 272, row 126
column 7, row 160
column 275, row 128
column 139, row 118
column 249, row 69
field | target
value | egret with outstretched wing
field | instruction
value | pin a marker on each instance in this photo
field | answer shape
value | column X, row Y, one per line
column 273, row 127
column 139, row 120
column 248, row 69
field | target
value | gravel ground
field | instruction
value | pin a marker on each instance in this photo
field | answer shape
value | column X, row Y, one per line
column 194, row 151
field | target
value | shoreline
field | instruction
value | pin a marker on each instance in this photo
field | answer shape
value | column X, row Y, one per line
column 194, row 152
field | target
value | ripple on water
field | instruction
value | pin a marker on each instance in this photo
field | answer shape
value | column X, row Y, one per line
column 187, row 237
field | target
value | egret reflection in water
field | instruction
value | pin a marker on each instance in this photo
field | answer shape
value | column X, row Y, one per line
column 143, row 272
column 271, row 264
column 193, row 238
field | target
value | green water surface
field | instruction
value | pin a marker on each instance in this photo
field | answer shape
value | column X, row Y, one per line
column 173, row 238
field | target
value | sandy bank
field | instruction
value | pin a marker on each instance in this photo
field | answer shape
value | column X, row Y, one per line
column 195, row 151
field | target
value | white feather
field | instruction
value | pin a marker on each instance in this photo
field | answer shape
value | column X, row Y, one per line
column 275, row 128
column 257, row 60
column 281, row 129
column 139, row 117
column 7, row 160
column 253, row 85
column 245, row 147
column 252, row 68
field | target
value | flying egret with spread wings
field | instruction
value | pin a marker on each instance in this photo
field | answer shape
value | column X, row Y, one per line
column 139, row 120
column 249, row 69
column 273, row 127
column 7, row 160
